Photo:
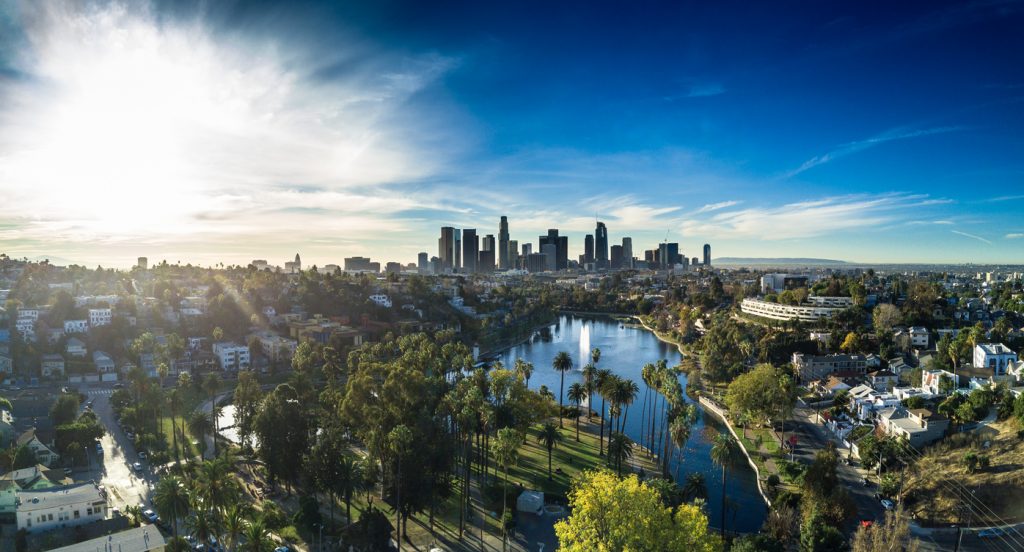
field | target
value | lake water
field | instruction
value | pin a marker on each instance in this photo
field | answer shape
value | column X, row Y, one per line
column 625, row 349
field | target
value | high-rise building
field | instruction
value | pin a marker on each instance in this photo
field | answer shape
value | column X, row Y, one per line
column 561, row 244
column 487, row 246
column 446, row 248
column 550, row 252
column 470, row 250
column 601, row 245
column 457, row 251
column 616, row 261
column 536, row 262
column 513, row 253
column 503, row 243
column 707, row 254
column 357, row 264
column 588, row 248
column 423, row 262
column 527, row 249
column 694, row 261
column 143, row 263
column 668, row 254
column 627, row 252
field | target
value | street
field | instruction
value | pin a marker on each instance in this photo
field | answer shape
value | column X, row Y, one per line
column 113, row 469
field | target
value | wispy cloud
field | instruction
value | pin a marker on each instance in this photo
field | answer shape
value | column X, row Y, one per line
column 717, row 206
column 849, row 148
column 1014, row 236
column 1003, row 198
column 972, row 236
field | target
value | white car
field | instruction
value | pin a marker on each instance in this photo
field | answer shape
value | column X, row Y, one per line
column 137, row 466
column 887, row 504
column 151, row 516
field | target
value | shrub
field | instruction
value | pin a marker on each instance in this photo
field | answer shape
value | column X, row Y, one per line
column 273, row 515
column 971, row 461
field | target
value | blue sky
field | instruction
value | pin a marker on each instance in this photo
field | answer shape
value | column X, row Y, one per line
column 228, row 131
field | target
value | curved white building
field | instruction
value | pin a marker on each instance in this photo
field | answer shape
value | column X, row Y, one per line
column 806, row 312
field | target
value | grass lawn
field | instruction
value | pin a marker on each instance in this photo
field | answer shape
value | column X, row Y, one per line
column 168, row 436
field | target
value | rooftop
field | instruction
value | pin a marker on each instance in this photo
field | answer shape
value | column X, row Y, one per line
column 56, row 497
column 138, row 539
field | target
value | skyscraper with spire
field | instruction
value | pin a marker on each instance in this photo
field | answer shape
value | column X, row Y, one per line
column 601, row 242
column 503, row 243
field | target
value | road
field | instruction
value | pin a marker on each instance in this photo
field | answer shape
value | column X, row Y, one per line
column 113, row 469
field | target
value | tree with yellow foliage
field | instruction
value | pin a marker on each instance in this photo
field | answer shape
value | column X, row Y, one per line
column 623, row 514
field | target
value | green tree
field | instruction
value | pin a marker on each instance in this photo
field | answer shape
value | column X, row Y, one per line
column 620, row 449
column 562, row 363
column 609, row 513
column 282, row 429
column 817, row 535
column 725, row 452
column 172, row 500
column 65, row 409
column 247, row 399
column 577, row 394
column 892, row 533
column 549, row 437
column 399, row 442
column 506, row 453
column 524, row 369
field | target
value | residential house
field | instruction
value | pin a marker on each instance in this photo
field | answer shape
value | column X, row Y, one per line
column 883, row 380
column 918, row 337
column 919, row 426
column 931, row 381
column 138, row 539
column 381, row 300
column 865, row 401
column 43, row 451
column 75, row 347
column 27, row 328
column 58, row 507
column 104, row 364
column 52, row 365
column 6, row 363
column 25, row 479
column 994, row 357
column 812, row 367
column 7, row 432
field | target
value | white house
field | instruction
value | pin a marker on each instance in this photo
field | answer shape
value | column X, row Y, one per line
column 52, row 365
column 381, row 300
column 275, row 347
column 57, row 507
column 27, row 328
column 918, row 337
column 994, row 356
column 28, row 314
column 919, row 427
column 43, row 453
column 6, row 363
column 231, row 355
column 75, row 347
column 931, row 380
column 76, row 326
column 100, row 317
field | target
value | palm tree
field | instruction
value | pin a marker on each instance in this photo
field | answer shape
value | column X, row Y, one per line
column 172, row 500
column 724, row 452
column 695, row 486
column 506, row 454
column 524, row 369
column 679, row 430
column 350, row 473
column 626, row 392
column 600, row 382
column 595, row 355
column 620, row 449
column 562, row 363
column 234, row 524
column 199, row 425
column 549, row 437
column 645, row 374
column 257, row 537
column 576, row 395
column 589, row 375
column 211, row 385
column 203, row 525
column 174, row 403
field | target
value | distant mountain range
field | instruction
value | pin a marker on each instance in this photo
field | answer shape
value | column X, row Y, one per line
column 776, row 261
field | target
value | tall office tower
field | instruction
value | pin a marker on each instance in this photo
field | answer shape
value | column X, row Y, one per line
column 503, row 243
column 694, row 261
column 536, row 262
column 513, row 253
column 651, row 256
column 298, row 263
column 601, row 241
column 143, row 263
column 527, row 249
column 550, row 252
column 616, row 261
column 446, row 248
column 470, row 250
column 588, row 248
column 457, row 251
column 563, row 252
column 707, row 254
column 423, row 263
column 435, row 265
column 487, row 245
column 627, row 252
column 668, row 254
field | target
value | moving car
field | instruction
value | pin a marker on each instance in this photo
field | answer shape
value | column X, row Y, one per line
column 887, row 504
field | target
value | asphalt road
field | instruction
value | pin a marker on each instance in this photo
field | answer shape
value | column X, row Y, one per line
column 113, row 468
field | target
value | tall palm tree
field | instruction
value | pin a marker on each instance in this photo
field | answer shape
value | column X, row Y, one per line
column 174, row 405
column 626, row 392
column 172, row 500
column 725, row 453
column 620, row 449
column 576, row 395
column 234, row 524
column 524, row 369
column 350, row 473
column 680, row 429
column 506, row 454
column 563, row 363
column 695, row 487
column 589, row 376
column 199, row 425
column 211, row 385
column 600, row 382
column 203, row 525
column 645, row 375
column 549, row 437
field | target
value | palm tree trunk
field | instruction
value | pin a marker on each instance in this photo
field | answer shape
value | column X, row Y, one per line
column 643, row 414
column 561, row 387
column 724, row 474
column 549, row 463
column 577, row 425
column 600, row 451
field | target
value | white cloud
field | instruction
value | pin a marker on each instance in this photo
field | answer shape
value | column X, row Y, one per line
column 717, row 206
column 972, row 236
column 1014, row 236
column 861, row 145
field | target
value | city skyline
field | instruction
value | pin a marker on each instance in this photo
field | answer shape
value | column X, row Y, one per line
column 224, row 133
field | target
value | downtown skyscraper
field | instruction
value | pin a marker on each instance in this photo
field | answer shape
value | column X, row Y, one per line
column 601, row 243
column 503, row 263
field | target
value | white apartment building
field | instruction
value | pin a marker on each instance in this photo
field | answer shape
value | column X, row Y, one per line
column 829, row 301
column 381, row 300
column 57, row 507
column 918, row 337
column 100, row 317
column 994, row 356
column 27, row 328
column 52, row 365
column 275, row 347
column 27, row 313
column 76, row 326
column 813, row 367
column 777, row 311
column 75, row 347
column 231, row 356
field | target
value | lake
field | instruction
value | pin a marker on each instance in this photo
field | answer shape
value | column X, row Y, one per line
column 625, row 349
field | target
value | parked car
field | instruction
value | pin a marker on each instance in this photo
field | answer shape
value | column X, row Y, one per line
column 118, row 386
column 67, row 471
column 887, row 504
column 142, row 455
column 99, row 449
column 137, row 466
column 150, row 515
